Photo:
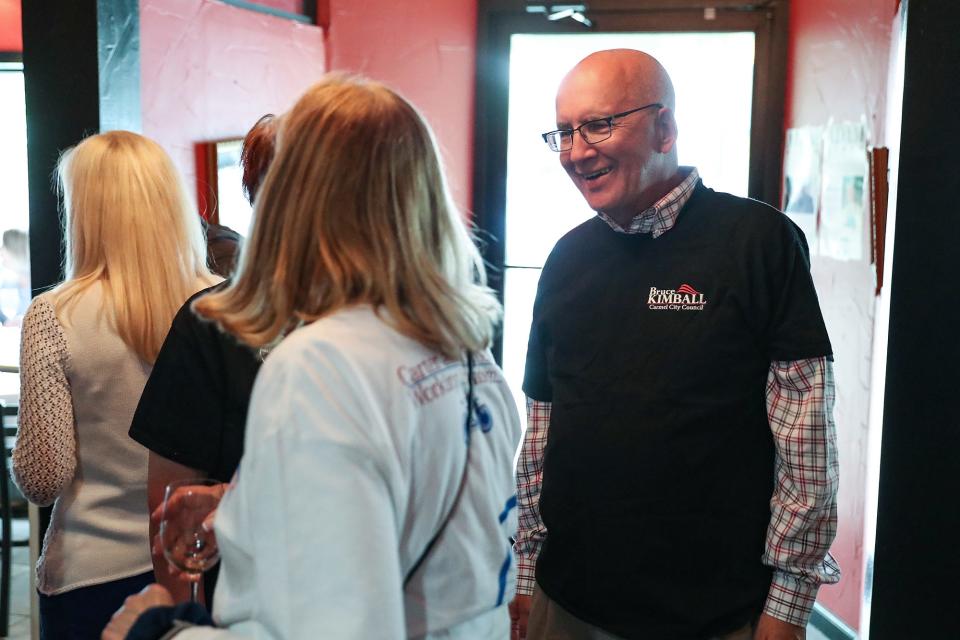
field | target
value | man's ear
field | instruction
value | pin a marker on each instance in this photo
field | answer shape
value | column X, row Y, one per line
column 666, row 130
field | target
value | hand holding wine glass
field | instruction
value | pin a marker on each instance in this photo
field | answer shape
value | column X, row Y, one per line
column 186, row 536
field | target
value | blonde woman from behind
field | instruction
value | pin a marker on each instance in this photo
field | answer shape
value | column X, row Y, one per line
column 134, row 252
column 370, row 503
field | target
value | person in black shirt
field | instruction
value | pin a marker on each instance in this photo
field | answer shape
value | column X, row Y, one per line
column 193, row 410
column 194, row 406
column 678, row 476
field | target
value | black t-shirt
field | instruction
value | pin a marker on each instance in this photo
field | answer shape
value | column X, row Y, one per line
column 194, row 406
column 658, row 469
column 748, row 259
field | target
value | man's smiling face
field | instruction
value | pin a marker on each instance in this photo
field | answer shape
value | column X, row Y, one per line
column 615, row 175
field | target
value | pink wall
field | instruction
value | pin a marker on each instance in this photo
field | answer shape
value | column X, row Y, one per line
column 209, row 70
column 11, row 36
column 838, row 61
column 427, row 51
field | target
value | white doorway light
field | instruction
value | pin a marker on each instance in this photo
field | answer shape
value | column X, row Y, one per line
column 713, row 79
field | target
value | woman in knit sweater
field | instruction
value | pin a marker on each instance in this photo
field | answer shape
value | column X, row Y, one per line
column 135, row 251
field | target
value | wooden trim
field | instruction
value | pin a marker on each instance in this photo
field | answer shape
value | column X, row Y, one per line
column 879, row 194
column 777, row 15
column 205, row 155
column 321, row 13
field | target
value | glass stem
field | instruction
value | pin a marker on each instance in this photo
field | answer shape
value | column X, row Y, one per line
column 194, row 590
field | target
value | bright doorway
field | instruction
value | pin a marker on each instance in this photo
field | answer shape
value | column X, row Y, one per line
column 713, row 76
column 14, row 222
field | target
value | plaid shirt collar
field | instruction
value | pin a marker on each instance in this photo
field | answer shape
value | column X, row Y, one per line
column 661, row 217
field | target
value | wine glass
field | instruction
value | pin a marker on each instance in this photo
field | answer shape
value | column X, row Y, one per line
column 187, row 544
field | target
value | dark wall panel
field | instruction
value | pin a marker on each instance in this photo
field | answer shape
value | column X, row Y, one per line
column 62, row 100
column 917, row 563
column 81, row 63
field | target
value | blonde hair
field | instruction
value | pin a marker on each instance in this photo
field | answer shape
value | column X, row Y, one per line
column 355, row 210
column 129, row 227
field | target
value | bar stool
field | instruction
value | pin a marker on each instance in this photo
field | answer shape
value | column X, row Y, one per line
column 8, row 541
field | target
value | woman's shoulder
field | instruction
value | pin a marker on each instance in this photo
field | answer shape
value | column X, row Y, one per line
column 41, row 316
column 359, row 332
column 353, row 350
column 42, row 303
column 185, row 315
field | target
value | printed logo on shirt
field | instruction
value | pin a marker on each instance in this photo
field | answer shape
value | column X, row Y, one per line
column 435, row 377
column 683, row 298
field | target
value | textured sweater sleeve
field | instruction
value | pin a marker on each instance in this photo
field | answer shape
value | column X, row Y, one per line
column 45, row 455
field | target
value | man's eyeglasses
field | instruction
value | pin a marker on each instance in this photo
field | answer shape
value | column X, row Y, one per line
column 592, row 132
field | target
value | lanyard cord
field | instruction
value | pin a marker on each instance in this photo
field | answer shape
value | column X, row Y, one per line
column 463, row 476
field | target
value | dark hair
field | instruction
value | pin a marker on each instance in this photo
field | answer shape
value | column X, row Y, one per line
column 257, row 153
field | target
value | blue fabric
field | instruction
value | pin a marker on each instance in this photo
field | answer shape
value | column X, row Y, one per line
column 81, row 614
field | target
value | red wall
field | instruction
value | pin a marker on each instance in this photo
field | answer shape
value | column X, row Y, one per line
column 11, row 35
column 838, row 61
column 838, row 66
column 210, row 70
column 426, row 50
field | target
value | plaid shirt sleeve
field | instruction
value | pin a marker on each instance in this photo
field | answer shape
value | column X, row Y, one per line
column 803, row 522
column 530, row 532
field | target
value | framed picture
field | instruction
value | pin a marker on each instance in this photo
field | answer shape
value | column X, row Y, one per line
column 220, row 186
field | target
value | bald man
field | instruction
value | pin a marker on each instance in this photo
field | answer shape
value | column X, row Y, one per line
column 678, row 476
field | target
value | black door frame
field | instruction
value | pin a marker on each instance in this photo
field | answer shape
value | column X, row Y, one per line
column 498, row 20
column 916, row 563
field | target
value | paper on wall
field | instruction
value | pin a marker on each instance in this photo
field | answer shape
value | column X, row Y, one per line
column 801, row 182
column 844, row 194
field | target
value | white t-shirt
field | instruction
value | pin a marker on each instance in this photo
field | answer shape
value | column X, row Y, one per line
column 355, row 449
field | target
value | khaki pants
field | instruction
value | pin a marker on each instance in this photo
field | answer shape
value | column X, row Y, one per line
column 548, row 621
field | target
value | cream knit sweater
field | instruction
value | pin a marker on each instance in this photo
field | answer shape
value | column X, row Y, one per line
column 79, row 387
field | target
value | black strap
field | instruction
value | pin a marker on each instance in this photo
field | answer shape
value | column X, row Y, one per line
column 463, row 476
column 156, row 623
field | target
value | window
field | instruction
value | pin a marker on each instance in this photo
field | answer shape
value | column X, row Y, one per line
column 220, row 184
column 14, row 221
